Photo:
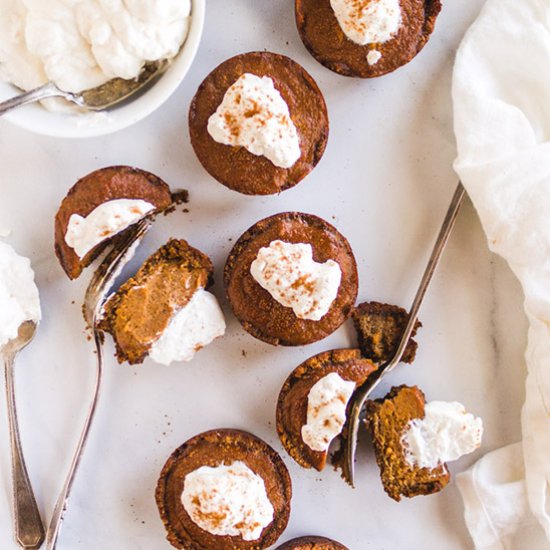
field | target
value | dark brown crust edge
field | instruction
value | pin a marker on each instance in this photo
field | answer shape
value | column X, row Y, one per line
column 270, row 535
column 258, row 228
column 244, row 172
column 93, row 190
column 431, row 11
column 383, row 349
column 349, row 364
column 312, row 543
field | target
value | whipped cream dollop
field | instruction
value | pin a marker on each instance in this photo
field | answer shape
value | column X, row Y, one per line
column 294, row 279
column 191, row 328
column 446, row 433
column 81, row 44
column 368, row 21
column 254, row 115
column 19, row 299
column 326, row 411
column 103, row 222
column 227, row 500
column 373, row 57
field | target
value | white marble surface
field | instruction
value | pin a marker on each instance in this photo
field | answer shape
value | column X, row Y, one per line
column 385, row 182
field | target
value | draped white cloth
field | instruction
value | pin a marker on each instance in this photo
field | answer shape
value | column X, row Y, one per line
column 501, row 97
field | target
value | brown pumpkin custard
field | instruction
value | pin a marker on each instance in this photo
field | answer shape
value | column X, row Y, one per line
column 258, row 123
column 312, row 404
column 379, row 329
column 312, row 543
column 365, row 38
column 413, row 440
column 224, row 489
column 101, row 205
column 291, row 279
column 165, row 311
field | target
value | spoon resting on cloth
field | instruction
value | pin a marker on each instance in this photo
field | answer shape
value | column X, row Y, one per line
column 29, row 530
column 102, row 97
column 346, row 457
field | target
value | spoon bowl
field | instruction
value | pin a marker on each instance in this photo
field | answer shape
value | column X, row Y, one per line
column 26, row 333
column 101, row 98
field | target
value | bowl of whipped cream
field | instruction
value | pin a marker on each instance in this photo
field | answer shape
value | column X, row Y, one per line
column 82, row 44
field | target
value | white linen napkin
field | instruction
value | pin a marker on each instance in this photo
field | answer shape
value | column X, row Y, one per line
column 501, row 96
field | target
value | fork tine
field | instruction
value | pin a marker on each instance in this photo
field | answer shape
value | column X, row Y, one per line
column 110, row 267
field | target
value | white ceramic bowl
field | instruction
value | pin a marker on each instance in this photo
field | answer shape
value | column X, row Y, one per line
column 35, row 118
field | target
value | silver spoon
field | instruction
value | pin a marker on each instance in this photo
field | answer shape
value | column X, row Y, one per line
column 123, row 246
column 360, row 395
column 29, row 530
column 103, row 97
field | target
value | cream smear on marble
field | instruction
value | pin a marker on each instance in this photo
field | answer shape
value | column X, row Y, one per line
column 103, row 222
column 81, row 44
column 294, row 279
column 326, row 411
column 368, row 21
column 446, row 433
column 254, row 115
column 191, row 328
column 19, row 300
column 228, row 500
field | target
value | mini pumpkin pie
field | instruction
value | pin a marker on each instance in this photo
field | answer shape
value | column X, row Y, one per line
column 379, row 330
column 165, row 311
column 413, row 440
column 291, row 279
column 258, row 123
column 101, row 205
column 224, row 489
column 311, row 409
column 365, row 38
column 312, row 543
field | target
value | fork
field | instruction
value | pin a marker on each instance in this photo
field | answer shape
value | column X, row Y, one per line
column 360, row 395
column 123, row 248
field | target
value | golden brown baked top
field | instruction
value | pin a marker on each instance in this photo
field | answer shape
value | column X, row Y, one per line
column 236, row 167
column 139, row 312
column 312, row 543
column 213, row 448
column 387, row 420
column 259, row 313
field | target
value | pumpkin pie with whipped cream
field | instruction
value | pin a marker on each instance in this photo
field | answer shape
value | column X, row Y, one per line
column 365, row 38
column 312, row 404
column 165, row 311
column 224, row 489
column 413, row 440
column 291, row 279
column 258, row 123
column 312, row 543
column 100, row 206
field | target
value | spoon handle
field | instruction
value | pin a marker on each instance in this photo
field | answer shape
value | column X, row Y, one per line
column 43, row 92
column 29, row 530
